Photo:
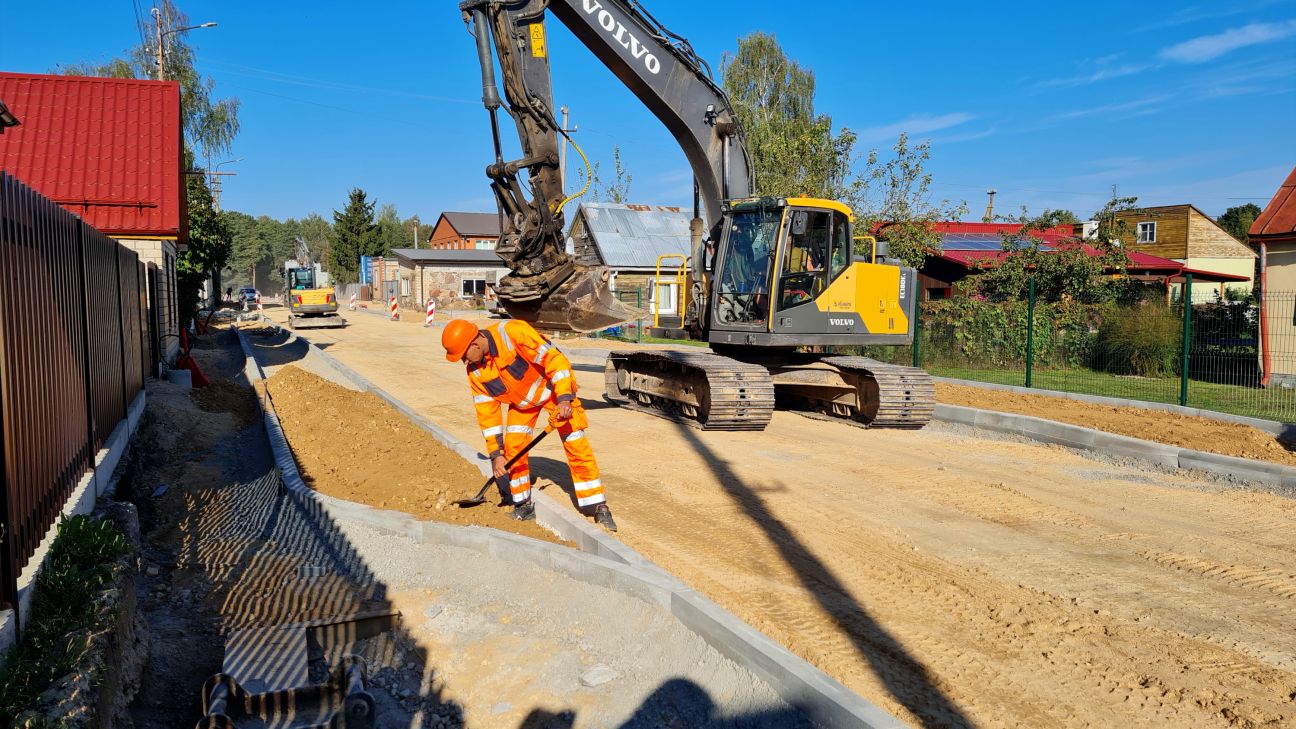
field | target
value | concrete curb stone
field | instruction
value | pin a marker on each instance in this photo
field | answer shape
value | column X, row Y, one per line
column 1075, row 436
column 1273, row 427
column 603, row 561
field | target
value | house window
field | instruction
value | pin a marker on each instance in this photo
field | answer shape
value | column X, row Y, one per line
column 1147, row 232
column 473, row 287
column 484, row 245
column 664, row 297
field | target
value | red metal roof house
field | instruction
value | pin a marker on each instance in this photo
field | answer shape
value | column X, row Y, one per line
column 111, row 151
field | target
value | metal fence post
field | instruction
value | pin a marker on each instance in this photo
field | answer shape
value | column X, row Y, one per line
column 639, row 324
column 1187, row 338
column 1030, row 328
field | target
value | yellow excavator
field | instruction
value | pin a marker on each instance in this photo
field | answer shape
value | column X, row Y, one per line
column 310, row 305
column 771, row 281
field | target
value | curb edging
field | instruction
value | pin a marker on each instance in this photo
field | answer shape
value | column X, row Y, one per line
column 1273, row 427
column 601, row 560
column 1089, row 439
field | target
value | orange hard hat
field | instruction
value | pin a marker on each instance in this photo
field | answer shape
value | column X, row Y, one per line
column 456, row 337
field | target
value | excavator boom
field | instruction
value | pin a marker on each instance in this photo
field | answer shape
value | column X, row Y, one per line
column 545, row 285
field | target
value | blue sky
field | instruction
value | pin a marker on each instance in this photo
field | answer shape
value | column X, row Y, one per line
column 1050, row 103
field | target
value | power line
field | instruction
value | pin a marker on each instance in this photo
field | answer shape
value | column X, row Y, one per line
column 284, row 78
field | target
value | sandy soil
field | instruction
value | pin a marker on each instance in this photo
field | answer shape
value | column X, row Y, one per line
column 953, row 579
column 354, row 446
column 1185, row 431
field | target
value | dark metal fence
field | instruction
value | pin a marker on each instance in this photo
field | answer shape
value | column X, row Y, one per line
column 73, row 354
column 1210, row 355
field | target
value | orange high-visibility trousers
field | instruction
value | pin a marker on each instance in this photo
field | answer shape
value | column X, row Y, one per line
column 519, row 426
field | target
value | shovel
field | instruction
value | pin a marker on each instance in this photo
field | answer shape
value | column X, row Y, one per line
column 480, row 498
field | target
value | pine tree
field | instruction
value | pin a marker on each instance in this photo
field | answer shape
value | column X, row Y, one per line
column 354, row 234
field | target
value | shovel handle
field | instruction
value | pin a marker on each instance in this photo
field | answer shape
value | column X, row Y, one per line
column 534, row 442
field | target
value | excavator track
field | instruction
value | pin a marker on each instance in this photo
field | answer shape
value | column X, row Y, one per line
column 905, row 397
column 701, row 389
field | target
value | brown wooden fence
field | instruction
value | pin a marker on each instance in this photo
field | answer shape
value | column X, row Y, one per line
column 73, row 354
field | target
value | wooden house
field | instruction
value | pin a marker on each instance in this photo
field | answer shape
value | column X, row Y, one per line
column 1185, row 234
column 629, row 240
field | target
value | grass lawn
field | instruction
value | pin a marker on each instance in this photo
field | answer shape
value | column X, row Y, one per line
column 1271, row 404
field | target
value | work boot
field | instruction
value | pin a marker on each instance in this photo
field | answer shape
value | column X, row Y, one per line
column 603, row 517
column 524, row 511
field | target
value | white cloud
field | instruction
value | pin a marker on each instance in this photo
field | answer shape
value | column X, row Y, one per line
column 1138, row 107
column 1101, row 74
column 1207, row 47
column 920, row 124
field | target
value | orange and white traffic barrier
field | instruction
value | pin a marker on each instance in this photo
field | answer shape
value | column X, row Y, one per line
column 395, row 313
column 352, row 305
column 431, row 313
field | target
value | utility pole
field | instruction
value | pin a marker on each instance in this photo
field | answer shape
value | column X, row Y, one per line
column 157, row 16
column 562, row 151
column 416, row 230
column 216, row 186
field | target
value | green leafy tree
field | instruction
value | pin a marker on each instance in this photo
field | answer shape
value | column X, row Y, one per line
column 1070, row 270
column 354, row 234
column 793, row 149
column 248, row 246
column 891, row 197
column 1237, row 220
column 209, row 247
column 390, row 234
column 317, row 234
column 209, row 124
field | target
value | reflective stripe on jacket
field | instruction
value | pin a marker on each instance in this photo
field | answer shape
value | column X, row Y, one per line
column 521, row 369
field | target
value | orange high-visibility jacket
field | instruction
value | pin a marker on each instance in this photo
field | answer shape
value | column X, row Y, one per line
column 521, row 369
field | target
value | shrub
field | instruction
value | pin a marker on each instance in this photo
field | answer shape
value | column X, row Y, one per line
column 1144, row 340
column 81, row 563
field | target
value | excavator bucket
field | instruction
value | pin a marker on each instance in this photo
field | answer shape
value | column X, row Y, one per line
column 583, row 303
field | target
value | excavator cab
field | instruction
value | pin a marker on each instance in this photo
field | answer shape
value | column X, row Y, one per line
column 787, row 277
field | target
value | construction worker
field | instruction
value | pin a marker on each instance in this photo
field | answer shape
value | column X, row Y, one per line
column 513, row 364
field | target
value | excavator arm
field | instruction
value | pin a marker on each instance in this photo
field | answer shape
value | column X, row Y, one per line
column 545, row 285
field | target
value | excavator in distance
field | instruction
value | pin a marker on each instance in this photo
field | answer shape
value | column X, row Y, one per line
column 768, row 280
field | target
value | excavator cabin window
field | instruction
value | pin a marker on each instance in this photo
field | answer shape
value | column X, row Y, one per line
column 750, row 241
column 806, row 257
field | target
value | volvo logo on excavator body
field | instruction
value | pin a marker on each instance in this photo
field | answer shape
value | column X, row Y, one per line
column 621, row 35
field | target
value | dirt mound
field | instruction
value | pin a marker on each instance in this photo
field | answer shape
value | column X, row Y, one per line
column 227, row 396
column 354, row 446
column 1184, row 431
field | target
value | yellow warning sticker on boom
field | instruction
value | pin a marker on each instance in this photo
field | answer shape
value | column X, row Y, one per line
column 537, row 40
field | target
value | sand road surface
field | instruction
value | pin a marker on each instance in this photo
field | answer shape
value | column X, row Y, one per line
column 953, row 578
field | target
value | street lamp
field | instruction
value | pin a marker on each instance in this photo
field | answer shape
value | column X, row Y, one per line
column 157, row 16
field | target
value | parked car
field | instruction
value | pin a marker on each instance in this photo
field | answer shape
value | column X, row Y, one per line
column 247, row 294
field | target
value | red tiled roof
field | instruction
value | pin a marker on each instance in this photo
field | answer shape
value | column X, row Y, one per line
column 109, row 150
column 1279, row 216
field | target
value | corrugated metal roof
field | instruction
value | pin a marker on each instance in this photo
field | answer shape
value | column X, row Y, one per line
column 633, row 236
column 1279, row 216
column 442, row 255
column 474, row 224
column 106, row 149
